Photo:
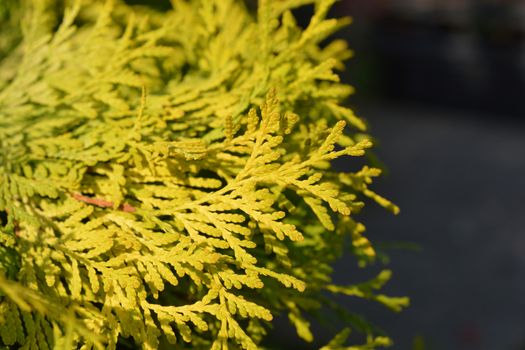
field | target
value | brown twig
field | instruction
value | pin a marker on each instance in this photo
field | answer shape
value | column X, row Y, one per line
column 102, row 203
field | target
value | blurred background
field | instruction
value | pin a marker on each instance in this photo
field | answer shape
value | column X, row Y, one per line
column 460, row 54
column 442, row 84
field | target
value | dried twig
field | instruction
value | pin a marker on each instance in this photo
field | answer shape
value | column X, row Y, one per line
column 102, row 203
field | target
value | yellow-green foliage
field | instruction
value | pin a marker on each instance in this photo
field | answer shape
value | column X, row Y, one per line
column 165, row 176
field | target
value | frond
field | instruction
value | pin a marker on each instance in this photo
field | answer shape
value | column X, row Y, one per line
column 166, row 176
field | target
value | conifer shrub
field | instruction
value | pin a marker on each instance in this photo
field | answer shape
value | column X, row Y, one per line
column 165, row 177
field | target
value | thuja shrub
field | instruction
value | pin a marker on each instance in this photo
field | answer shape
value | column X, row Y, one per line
column 165, row 177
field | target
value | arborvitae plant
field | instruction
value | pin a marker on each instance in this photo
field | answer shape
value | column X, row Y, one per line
column 165, row 177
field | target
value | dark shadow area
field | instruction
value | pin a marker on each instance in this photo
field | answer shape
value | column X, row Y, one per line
column 442, row 85
column 459, row 181
column 465, row 55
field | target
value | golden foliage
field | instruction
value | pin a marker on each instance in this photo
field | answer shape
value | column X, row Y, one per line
column 165, row 176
